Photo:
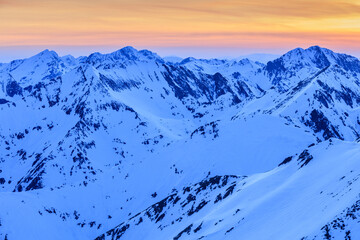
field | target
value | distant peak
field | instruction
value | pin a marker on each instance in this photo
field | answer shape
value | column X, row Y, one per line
column 44, row 51
column 296, row 51
column 69, row 59
column 319, row 49
column 128, row 49
column 315, row 48
column 187, row 60
column 68, row 56
column 314, row 56
column 125, row 54
column 47, row 54
column 95, row 54
column 312, row 51
column 245, row 61
column 173, row 59
column 146, row 52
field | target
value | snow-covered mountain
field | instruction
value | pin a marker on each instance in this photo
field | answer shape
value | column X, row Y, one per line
column 132, row 146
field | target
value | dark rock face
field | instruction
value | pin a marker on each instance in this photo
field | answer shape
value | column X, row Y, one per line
column 304, row 158
column 286, row 160
column 349, row 63
column 321, row 61
column 13, row 88
column 209, row 129
column 3, row 101
column 185, row 84
column 319, row 123
column 244, row 90
column 119, row 85
column 324, row 98
column 342, row 224
column 186, row 230
column 275, row 69
column 329, row 94
column 178, row 78
column 221, row 85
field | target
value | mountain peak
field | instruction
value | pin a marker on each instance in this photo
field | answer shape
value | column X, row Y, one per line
column 125, row 54
column 187, row 60
column 127, row 51
column 315, row 56
column 315, row 48
column 173, row 59
column 245, row 61
column 47, row 54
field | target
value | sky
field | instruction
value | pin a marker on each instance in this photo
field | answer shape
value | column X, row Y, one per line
column 199, row 28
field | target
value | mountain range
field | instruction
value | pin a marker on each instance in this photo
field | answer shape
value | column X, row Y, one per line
column 128, row 145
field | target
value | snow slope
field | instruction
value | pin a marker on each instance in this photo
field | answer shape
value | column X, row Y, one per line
column 129, row 145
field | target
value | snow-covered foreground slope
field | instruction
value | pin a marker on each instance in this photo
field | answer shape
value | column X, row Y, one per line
column 129, row 145
column 293, row 201
column 289, row 202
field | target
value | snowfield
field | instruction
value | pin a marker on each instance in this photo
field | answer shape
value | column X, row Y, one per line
column 128, row 145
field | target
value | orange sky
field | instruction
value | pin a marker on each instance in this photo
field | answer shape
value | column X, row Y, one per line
column 165, row 25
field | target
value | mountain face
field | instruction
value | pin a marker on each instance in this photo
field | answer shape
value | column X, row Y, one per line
column 128, row 145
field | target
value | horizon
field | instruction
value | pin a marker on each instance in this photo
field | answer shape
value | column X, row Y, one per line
column 26, row 52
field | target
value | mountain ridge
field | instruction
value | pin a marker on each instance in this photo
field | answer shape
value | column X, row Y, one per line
column 89, row 143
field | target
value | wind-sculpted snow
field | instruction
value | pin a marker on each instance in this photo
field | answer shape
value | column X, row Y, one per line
column 129, row 145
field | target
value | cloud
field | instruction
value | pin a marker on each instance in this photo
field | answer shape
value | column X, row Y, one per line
column 179, row 23
column 4, row 3
column 263, row 8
